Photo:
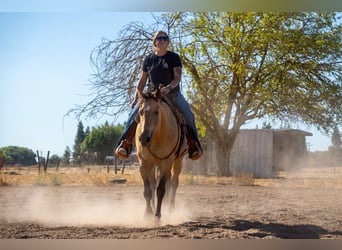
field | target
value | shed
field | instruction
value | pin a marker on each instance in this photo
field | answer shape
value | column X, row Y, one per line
column 262, row 152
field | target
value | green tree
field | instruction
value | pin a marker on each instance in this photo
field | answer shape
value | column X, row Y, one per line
column 335, row 150
column 244, row 66
column 87, row 132
column 2, row 154
column 2, row 158
column 66, row 156
column 19, row 155
column 266, row 125
column 238, row 67
column 101, row 140
column 80, row 135
column 336, row 138
column 54, row 160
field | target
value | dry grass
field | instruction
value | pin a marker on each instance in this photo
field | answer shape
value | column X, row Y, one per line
column 3, row 180
column 324, row 177
column 245, row 179
column 73, row 176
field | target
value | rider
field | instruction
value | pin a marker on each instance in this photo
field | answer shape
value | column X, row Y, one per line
column 162, row 68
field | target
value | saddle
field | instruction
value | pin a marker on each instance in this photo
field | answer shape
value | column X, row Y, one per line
column 179, row 116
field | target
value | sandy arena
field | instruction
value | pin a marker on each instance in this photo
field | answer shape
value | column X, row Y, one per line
column 303, row 205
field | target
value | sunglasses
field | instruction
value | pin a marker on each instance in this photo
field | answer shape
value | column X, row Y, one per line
column 165, row 38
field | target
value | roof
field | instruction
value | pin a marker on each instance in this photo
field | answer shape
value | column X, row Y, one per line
column 292, row 131
column 283, row 131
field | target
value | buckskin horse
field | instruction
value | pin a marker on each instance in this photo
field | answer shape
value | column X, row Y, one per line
column 159, row 144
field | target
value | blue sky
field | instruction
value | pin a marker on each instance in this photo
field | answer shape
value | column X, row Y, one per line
column 45, row 68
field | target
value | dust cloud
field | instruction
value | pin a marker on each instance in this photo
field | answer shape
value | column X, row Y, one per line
column 78, row 207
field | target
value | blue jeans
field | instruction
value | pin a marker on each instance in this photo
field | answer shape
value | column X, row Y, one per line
column 129, row 123
column 181, row 105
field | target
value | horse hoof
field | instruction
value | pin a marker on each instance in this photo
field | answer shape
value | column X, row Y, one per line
column 157, row 216
column 157, row 221
column 148, row 213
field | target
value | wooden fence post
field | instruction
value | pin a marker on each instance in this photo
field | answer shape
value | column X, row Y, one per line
column 116, row 165
column 123, row 166
column 38, row 162
column 46, row 162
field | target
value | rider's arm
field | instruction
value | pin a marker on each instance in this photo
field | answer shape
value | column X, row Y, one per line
column 140, row 87
column 177, row 73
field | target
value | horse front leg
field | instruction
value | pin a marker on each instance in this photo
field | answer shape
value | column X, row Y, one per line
column 153, row 185
column 160, row 195
column 148, row 189
column 148, row 198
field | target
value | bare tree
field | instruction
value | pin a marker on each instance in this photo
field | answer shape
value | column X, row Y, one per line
column 237, row 67
column 117, row 66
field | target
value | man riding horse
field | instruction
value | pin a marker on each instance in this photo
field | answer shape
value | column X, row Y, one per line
column 162, row 69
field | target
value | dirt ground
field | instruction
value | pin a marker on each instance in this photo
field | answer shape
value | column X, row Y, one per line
column 301, row 206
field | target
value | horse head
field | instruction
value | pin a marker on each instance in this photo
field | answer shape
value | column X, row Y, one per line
column 148, row 115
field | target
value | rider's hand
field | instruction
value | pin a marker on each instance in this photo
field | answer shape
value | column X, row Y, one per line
column 165, row 90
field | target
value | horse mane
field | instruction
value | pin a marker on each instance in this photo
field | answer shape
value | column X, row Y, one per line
column 155, row 94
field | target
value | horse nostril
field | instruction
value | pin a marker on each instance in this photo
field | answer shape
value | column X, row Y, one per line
column 145, row 139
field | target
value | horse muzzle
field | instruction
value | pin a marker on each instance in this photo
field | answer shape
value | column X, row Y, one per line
column 145, row 138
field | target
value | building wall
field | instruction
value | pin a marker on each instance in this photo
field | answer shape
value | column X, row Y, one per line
column 261, row 152
column 252, row 153
column 288, row 149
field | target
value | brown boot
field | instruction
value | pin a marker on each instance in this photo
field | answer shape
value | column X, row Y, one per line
column 124, row 149
column 194, row 151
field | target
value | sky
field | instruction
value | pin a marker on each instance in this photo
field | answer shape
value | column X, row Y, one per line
column 45, row 69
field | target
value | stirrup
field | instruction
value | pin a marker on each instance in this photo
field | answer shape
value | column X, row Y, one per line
column 195, row 152
column 194, row 155
column 124, row 149
column 121, row 153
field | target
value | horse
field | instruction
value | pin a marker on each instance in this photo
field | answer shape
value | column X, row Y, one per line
column 159, row 145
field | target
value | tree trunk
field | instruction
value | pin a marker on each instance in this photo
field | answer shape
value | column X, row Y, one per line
column 222, row 157
column 223, row 152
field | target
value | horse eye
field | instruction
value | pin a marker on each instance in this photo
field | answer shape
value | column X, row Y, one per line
column 156, row 112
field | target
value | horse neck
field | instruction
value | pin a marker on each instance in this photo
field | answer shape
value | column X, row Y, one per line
column 167, row 123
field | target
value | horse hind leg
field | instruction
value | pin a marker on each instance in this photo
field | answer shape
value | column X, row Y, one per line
column 167, row 196
column 177, row 168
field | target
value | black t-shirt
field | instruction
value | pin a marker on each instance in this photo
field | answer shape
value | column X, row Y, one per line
column 160, row 69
